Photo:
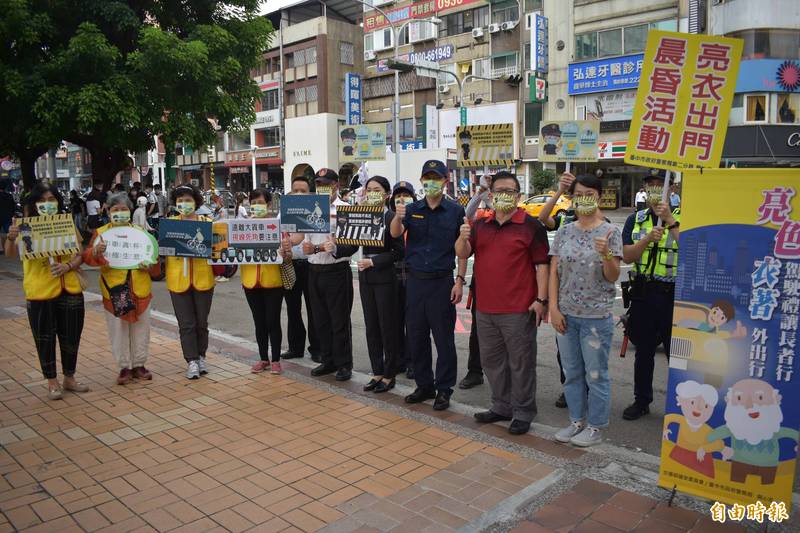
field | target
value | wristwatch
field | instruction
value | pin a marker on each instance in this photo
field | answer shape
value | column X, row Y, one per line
column 317, row 249
column 543, row 302
column 463, row 280
column 674, row 225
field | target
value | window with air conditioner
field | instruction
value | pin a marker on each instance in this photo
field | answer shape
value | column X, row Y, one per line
column 368, row 42
column 382, row 39
column 505, row 11
column 422, row 31
column 504, row 65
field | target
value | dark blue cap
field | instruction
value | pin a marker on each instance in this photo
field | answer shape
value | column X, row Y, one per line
column 436, row 167
column 403, row 186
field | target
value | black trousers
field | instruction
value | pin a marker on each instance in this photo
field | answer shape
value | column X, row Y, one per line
column 58, row 318
column 650, row 325
column 265, row 304
column 296, row 329
column 331, row 291
column 404, row 360
column 474, row 358
column 379, row 301
column 191, row 309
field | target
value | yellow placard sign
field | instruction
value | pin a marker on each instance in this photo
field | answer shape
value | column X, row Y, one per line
column 47, row 236
column 491, row 144
column 684, row 100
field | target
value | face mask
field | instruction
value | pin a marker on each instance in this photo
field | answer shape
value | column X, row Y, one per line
column 324, row 189
column 433, row 188
column 654, row 194
column 585, row 205
column 374, row 198
column 47, row 208
column 120, row 217
column 403, row 200
column 258, row 210
column 504, row 202
column 185, row 208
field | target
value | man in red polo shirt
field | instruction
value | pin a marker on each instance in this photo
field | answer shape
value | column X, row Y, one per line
column 511, row 258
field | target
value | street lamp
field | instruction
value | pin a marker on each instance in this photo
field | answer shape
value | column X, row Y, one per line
column 396, row 105
column 253, row 149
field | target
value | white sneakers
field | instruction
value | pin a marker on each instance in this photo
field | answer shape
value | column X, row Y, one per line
column 193, row 370
column 579, row 434
column 201, row 365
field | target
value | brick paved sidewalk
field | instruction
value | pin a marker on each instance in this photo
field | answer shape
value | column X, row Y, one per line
column 235, row 451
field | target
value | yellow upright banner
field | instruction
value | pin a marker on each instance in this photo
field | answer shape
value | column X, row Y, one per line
column 683, row 101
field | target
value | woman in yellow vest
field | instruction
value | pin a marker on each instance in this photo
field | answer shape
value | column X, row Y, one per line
column 55, row 297
column 130, row 333
column 263, row 289
column 190, row 283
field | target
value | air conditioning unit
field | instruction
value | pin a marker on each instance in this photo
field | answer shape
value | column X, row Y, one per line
column 369, row 55
column 509, row 25
column 477, row 33
column 494, row 28
column 444, row 88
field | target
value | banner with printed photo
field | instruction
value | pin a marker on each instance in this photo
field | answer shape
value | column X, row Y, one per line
column 246, row 241
column 184, row 238
column 364, row 142
column 47, row 236
column 305, row 213
column 570, row 140
column 487, row 145
column 129, row 246
column 360, row 225
column 684, row 100
column 733, row 404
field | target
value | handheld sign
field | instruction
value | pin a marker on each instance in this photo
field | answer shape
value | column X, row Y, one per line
column 184, row 238
column 569, row 141
column 47, row 236
column 360, row 225
column 247, row 242
column 491, row 144
column 683, row 101
column 129, row 246
column 306, row 213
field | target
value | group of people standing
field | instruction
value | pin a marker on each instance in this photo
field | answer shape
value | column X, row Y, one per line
column 408, row 292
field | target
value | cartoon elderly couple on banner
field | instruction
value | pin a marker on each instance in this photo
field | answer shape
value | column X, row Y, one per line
column 753, row 420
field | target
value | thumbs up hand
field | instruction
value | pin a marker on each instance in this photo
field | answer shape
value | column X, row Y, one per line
column 465, row 230
column 400, row 209
column 329, row 245
column 601, row 244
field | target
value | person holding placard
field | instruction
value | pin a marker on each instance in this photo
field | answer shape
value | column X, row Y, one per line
column 190, row 282
column 263, row 289
column 583, row 270
column 55, row 297
column 129, row 331
column 378, row 287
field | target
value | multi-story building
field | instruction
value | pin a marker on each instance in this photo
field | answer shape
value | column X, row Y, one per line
column 764, row 126
column 68, row 167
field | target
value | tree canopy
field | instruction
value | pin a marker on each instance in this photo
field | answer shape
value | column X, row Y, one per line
column 110, row 75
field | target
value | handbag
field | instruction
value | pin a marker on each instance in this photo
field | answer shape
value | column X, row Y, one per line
column 121, row 296
column 288, row 275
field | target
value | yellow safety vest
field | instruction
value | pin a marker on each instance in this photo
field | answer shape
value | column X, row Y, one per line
column 39, row 283
column 261, row 276
column 200, row 276
column 664, row 267
column 140, row 280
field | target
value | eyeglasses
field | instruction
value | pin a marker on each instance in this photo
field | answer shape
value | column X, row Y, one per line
column 509, row 191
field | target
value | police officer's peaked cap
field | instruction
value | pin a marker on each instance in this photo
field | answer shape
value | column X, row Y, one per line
column 403, row 186
column 465, row 134
column 433, row 166
column 551, row 129
column 348, row 133
column 326, row 175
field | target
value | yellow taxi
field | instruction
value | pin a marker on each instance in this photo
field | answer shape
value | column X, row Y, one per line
column 533, row 204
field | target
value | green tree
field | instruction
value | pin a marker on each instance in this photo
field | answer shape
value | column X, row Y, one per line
column 110, row 75
column 543, row 180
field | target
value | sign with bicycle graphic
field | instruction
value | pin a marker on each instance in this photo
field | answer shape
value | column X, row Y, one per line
column 247, row 241
column 306, row 213
column 184, row 238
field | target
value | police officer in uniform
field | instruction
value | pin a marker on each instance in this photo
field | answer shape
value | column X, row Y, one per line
column 432, row 226
column 654, row 251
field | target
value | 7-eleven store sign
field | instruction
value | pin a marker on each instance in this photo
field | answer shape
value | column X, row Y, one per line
column 611, row 150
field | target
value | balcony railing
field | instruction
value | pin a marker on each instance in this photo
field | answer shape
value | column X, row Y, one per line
column 505, row 71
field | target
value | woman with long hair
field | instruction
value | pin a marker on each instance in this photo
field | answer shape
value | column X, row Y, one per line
column 190, row 282
column 55, row 297
column 584, row 267
column 129, row 333
column 377, row 284
column 241, row 208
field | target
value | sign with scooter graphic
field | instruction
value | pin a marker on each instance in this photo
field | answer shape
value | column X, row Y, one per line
column 246, row 242
column 306, row 213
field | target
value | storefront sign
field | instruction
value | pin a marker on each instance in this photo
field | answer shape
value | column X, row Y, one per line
column 411, row 145
column 611, row 150
column 247, row 242
column 538, row 88
column 47, row 236
column 607, row 74
column 431, row 127
column 440, row 53
column 480, row 146
column 360, row 225
column 768, row 75
column 267, row 118
column 352, row 98
column 366, row 142
column 267, row 85
column 572, row 140
column 683, row 104
column 733, row 405
column 264, row 156
column 539, row 43
column 767, row 142
column 427, row 8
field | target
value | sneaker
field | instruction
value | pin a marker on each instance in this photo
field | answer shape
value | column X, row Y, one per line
column 635, row 411
column 193, row 370
column 201, row 365
column 125, row 376
column 588, row 437
column 141, row 372
column 259, row 367
column 221, row 279
column 566, row 434
column 276, row 368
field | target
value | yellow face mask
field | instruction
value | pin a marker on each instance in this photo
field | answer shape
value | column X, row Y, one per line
column 585, row 205
column 505, row 202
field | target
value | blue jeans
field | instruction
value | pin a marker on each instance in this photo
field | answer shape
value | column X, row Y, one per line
column 584, row 353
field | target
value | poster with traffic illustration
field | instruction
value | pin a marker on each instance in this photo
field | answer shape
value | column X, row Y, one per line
column 733, row 403
column 306, row 213
column 184, row 238
column 571, row 140
column 246, row 242
column 47, row 236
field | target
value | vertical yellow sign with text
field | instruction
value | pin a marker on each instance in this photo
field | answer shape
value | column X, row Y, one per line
column 683, row 101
